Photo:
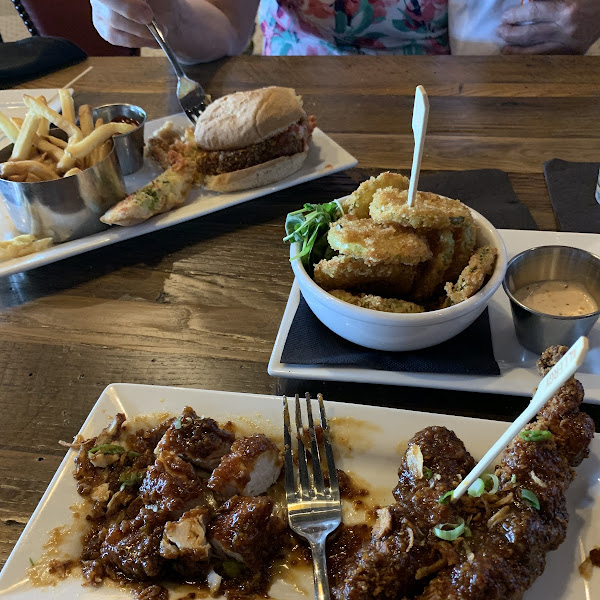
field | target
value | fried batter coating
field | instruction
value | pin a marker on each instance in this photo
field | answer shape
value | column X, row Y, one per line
column 374, row 242
column 431, row 273
column 465, row 238
column 428, row 209
column 358, row 202
column 481, row 264
column 377, row 302
column 346, row 273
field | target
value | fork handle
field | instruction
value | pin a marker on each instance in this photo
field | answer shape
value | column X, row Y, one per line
column 156, row 31
column 320, row 570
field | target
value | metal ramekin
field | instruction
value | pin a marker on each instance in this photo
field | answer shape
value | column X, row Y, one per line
column 535, row 330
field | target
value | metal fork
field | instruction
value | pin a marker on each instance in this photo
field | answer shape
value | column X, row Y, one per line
column 191, row 95
column 314, row 509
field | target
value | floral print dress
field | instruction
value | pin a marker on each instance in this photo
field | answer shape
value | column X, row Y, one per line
column 309, row 27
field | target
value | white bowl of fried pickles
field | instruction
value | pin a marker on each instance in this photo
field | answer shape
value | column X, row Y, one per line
column 394, row 277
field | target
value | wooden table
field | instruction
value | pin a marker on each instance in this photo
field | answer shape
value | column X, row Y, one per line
column 199, row 304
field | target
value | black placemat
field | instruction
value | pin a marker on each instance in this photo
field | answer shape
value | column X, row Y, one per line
column 571, row 186
column 309, row 342
column 35, row 56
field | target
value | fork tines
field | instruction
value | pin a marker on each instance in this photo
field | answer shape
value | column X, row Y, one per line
column 311, row 482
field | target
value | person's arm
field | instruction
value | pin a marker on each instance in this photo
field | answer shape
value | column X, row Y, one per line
column 198, row 30
column 551, row 27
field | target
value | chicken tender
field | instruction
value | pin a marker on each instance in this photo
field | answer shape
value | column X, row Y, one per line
column 465, row 238
column 430, row 275
column 345, row 273
column 377, row 302
column 358, row 202
column 250, row 469
column 375, row 242
column 428, row 210
column 471, row 279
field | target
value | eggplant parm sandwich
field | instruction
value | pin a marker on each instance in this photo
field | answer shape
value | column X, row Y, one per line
column 253, row 138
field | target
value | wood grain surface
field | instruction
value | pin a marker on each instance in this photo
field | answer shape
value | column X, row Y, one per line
column 199, row 304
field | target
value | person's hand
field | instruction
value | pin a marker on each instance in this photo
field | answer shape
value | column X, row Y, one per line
column 551, row 27
column 123, row 22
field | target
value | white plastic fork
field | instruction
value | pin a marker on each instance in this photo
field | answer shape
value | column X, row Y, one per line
column 314, row 509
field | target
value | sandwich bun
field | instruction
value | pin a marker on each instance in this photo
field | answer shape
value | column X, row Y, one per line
column 256, row 176
column 245, row 118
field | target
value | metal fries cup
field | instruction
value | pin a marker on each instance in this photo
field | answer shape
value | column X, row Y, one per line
column 535, row 330
column 67, row 208
column 128, row 146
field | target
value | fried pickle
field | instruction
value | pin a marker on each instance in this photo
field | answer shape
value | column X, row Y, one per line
column 428, row 210
column 377, row 302
column 480, row 265
column 430, row 276
column 465, row 238
column 358, row 202
column 347, row 273
column 375, row 242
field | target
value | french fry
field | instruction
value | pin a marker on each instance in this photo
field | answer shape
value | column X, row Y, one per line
column 25, row 167
column 46, row 146
column 17, row 121
column 11, row 131
column 31, row 178
column 42, row 110
column 86, row 124
column 105, row 150
column 95, row 153
column 56, row 141
column 44, row 125
column 19, row 178
column 22, row 146
column 72, row 171
column 96, row 138
column 66, row 104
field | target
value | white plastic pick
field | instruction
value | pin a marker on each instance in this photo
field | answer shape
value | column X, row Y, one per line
column 549, row 385
column 419, row 126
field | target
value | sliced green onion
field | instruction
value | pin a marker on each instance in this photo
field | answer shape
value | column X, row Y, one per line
column 452, row 533
column 427, row 472
column 445, row 498
column 530, row 498
column 495, row 482
column 31, row 561
column 107, row 449
column 177, row 423
column 130, row 478
column 133, row 454
column 468, row 532
column 232, row 569
column 477, row 488
column 513, row 478
column 535, row 435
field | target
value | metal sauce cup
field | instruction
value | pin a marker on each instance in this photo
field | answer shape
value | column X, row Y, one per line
column 535, row 330
column 128, row 146
column 67, row 208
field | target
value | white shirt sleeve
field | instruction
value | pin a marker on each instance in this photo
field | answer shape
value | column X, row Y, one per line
column 472, row 25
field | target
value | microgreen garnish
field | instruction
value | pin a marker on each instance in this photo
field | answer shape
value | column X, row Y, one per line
column 130, row 478
column 309, row 226
column 445, row 498
column 107, row 449
column 530, row 498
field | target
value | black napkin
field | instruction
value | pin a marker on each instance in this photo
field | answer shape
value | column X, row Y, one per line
column 309, row 342
column 571, row 186
column 36, row 56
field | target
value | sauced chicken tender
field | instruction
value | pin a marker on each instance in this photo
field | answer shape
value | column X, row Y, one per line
column 250, row 469
column 358, row 202
column 345, row 272
column 377, row 302
column 374, row 242
column 471, row 279
column 428, row 209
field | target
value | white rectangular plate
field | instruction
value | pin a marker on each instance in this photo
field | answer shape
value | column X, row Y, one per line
column 324, row 158
column 11, row 104
column 375, row 434
column 517, row 365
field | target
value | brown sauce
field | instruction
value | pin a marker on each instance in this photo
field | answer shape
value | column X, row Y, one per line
column 124, row 119
column 559, row 298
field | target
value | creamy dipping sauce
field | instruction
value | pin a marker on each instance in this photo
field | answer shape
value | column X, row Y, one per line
column 559, row 298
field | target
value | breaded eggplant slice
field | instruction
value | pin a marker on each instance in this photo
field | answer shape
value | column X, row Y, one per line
column 428, row 210
column 377, row 302
column 430, row 276
column 375, row 242
column 481, row 264
column 346, row 273
column 358, row 202
column 465, row 238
